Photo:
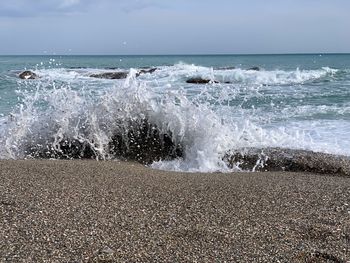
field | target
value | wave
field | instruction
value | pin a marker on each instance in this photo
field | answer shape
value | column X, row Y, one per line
column 67, row 123
column 152, row 118
column 182, row 72
column 244, row 76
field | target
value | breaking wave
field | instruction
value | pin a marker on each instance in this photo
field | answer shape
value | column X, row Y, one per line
column 157, row 118
column 256, row 77
column 183, row 71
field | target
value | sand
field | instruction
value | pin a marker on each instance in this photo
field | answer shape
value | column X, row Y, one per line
column 88, row 211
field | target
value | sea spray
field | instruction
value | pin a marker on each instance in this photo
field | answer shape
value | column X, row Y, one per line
column 158, row 119
column 66, row 123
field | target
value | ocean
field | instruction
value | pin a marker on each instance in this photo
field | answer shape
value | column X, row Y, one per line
column 181, row 113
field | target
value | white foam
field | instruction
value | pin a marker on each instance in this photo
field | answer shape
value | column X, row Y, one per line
column 243, row 76
column 199, row 118
column 274, row 77
column 181, row 71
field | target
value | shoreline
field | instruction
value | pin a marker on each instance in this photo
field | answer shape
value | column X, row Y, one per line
column 89, row 211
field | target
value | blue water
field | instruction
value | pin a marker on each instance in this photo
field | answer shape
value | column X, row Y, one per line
column 293, row 101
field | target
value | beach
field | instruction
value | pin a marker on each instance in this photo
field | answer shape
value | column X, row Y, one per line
column 174, row 131
column 112, row 211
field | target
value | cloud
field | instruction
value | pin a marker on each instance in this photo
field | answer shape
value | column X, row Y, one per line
column 35, row 8
column 69, row 3
column 29, row 8
column 136, row 5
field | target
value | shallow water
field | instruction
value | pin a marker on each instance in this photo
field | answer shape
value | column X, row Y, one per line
column 294, row 101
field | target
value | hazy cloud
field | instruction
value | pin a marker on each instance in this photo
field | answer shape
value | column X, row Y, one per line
column 27, row 8
column 173, row 27
column 135, row 5
column 69, row 3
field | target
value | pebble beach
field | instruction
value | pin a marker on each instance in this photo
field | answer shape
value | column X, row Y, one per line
column 111, row 211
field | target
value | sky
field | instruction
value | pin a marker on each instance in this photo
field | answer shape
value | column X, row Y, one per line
column 123, row 27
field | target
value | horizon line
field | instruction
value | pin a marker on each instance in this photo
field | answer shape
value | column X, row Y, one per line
column 189, row 54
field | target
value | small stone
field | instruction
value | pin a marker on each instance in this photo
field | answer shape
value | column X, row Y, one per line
column 107, row 250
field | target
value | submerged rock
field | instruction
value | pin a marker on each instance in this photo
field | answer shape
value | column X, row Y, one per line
column 110, row 75
column 278, row 159
column 199, row 80
column 145, row 71
column 145, row 143
column 138, row 141
column 121, row 74
column 28, row 75
column 66, row 149
column 254, row 68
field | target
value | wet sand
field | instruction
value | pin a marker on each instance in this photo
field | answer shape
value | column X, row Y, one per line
column 88, row 211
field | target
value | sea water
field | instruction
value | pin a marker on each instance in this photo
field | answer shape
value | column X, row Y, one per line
column 292, row 101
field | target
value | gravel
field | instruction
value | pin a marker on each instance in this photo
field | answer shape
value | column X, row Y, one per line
column 89, row 211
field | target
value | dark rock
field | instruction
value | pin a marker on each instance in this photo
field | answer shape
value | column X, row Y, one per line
column 110, row 75
column 278, row 159
column 68, row 149
column 137, row 140
column 145, row 143
column 145, row 71
column 28, row 75
column 200, row 81
column 254, row 68
column 121, row 74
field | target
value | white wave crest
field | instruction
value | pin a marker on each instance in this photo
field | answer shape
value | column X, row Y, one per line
column 50, row 114
column 261, row 77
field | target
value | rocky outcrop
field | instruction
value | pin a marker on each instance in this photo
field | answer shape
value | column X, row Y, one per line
column 121, row 74
column 139, row 141
column 279, row 159
column 145, row 71
column 199, row 80
column 28, row 75
column 144, row 142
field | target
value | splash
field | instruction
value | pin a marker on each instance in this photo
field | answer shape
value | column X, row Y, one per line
column 158, row 119
column 60, row 122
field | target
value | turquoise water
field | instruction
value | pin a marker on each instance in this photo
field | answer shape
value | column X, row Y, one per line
column 293, row 101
